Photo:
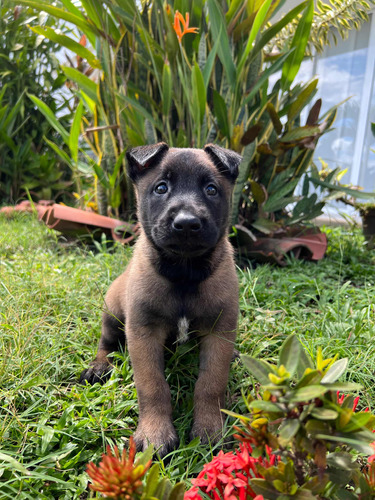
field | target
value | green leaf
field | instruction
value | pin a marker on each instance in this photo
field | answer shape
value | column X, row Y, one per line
column 152, row 480
column 357, row 421
column 353, row 443
column 290, row 353
column 47, row 112
column 75, row 132
column 324, row 413
column 299, row 43
column 307, row 393
column 258, row 368
column 83, row 82
column 343, row 386
column 221, row 114
column 299, row 133
column 178, row 492
column 255, row 29
column 167, row 88
column 199, row 92
column 207, row 70
column 263, row 77
column 219, row 31
column 311, row 378
column 335, row 372
column 373, row 128
column 13, row 463
column 58, row 13
column 271, row 32
column 68, row 43
column 352, row 192
column 288, row 430
column 302, row 99
column 116, row 169
column 268, row 406
column 261, row 487
column 60, row 152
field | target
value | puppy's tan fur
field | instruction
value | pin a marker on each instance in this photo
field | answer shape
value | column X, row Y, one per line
column 150, row 305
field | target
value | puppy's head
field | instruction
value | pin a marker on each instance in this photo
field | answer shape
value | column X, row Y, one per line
column 183, row 195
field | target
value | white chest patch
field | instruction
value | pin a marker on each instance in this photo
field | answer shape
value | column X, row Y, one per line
column 183, row 330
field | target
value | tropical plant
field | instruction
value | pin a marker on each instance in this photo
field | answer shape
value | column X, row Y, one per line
column 149, row 72
column 301, row 438
column 331, row 21
column 28, row 64
column 160, row 80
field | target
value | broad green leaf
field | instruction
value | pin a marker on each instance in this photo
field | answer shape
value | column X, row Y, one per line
column 335, row 372
column 288, row 430
column 290, row 353
column 152, row 480
column 48, row 113
column 271, row 32
column 58, row 13
column 207, row 70
column 219, row 31
column 68, row 43
column 352, row 192
column 136, row 105
column 262, row 487
column 60, row 152
column 199, row 92
column 307, row 393
column 83, row 82
column 299, row 133
column 167, row 88
column 263, row 77
column 353, row 443
column 268, row 406
column 13, row 463
column 324, row 414
column 177, row 492
column 221, row 114
column 75, row 132
column 116, row 169
column 302, row 99
column 343, row 386
column 255, row 29
column 258, row 368
column 357, row 421
column 299, row 43
column 244, row 172
column 311, row 378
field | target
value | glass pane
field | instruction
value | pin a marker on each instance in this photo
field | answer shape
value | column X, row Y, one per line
column 341, row 73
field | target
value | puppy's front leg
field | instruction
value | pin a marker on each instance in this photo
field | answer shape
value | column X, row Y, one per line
column 216, row 351
column 146, row 349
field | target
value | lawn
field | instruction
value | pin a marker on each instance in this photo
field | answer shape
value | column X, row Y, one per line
column 51, row 295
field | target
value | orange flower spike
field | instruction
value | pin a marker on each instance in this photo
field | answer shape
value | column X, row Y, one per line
column 181, row 22
column 117, row 476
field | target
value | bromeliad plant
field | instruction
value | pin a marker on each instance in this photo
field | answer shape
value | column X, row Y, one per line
column 316, row 435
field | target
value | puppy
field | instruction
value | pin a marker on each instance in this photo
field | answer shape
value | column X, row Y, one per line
column 181, row 278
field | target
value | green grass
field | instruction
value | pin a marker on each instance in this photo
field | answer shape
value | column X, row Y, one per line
column 50, row 302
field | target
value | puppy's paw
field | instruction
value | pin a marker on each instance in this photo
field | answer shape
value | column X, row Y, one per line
column 209, row 430
column 96, row 372
column 161, row 434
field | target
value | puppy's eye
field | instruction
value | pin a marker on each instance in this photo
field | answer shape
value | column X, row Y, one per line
column 161, row 188
column 211, row 190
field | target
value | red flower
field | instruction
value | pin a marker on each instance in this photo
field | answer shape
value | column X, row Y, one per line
column 228, row 475
column 180, row 21
column 117, row 475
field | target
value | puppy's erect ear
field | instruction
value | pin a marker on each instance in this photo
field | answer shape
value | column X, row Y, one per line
column 141, row 158
column 225, row 160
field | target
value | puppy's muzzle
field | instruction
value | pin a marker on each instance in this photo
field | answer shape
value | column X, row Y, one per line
column 186, row 224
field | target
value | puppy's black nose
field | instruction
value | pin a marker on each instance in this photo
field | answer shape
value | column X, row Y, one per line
column 186, row 222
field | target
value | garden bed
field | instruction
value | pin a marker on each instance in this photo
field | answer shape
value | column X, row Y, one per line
column 51, row 296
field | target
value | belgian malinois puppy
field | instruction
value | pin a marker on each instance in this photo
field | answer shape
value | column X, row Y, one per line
column 180, row 279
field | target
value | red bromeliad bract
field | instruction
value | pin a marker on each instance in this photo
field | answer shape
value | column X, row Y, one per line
column 117, row 476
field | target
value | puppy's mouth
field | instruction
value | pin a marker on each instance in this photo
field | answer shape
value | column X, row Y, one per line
column 186, row 250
